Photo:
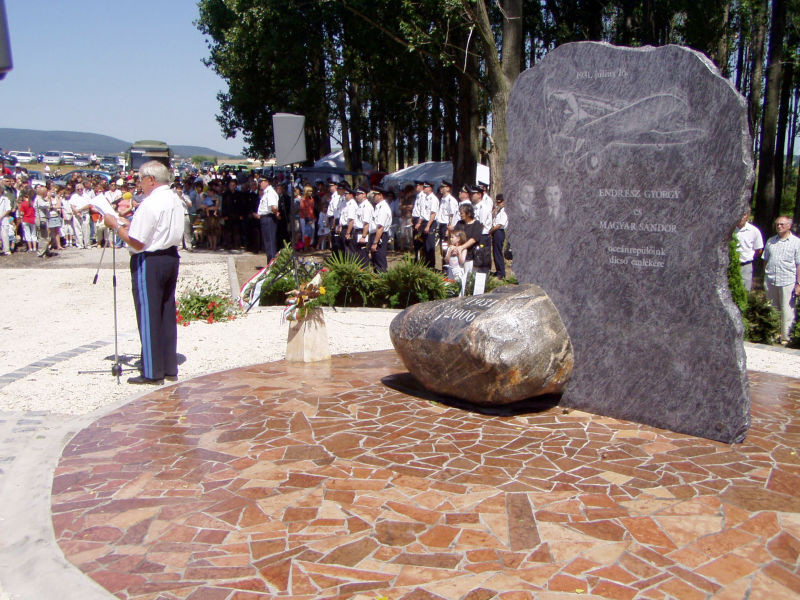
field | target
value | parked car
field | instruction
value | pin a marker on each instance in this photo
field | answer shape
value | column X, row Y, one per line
column 108, row 162
column 81, row 160
column 52, row 157
column 26, row 157
column 68, row 158
column 36, row 178
column 64, row 179
column 8, row 159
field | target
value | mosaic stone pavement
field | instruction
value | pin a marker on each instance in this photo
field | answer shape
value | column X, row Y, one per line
column 321, row 481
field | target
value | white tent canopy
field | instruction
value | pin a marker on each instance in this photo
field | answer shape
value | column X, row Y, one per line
column 431, row 171
column 335, row 160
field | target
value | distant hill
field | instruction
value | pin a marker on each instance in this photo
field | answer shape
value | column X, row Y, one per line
column 82, row 143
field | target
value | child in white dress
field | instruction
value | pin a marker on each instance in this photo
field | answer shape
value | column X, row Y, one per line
column 456, row 256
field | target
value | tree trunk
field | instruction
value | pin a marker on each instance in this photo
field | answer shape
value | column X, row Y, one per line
column 356, row 132
column 391, row 145
column 783, row 119
column 722, row 49
column 793, row 116
column 401, row 151
column 341, row 106
column 469, row 120
column 436, row 129
column 501, row 73
column 756, row 62
column 740, row 59
column 422, row 129
column 766, row 202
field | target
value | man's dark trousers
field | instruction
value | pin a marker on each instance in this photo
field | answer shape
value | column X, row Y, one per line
column 269, row 232
column 498, row 239
column 153, row 276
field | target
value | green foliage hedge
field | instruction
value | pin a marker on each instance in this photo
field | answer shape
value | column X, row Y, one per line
column 348, row 282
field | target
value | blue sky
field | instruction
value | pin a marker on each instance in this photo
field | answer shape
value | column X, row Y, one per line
column 131, row 69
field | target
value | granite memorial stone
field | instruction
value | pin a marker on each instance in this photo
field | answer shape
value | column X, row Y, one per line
column 626, row 171
column 492, row 349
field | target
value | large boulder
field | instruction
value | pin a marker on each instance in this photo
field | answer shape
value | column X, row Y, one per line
column 491, row 349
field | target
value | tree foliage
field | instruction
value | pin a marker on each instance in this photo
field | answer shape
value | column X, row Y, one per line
column 399, row 81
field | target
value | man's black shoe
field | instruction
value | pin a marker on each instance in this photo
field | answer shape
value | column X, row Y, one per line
column 142, row 380
column 171, row 377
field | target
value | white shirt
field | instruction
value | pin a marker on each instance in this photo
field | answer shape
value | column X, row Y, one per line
column 483, row 213
column 348, row 212
column 363, row 216
column 448, row 210
column 419, row 204
column 76, row 202
column 158, row 221
column 500, row 219
column 335, row 205
column 431, row 206
column 748, row 240
column 5, row 205
column 269, row 198
column 381, row 217
column 782, row 257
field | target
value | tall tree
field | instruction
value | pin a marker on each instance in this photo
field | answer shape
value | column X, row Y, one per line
column 767, row 205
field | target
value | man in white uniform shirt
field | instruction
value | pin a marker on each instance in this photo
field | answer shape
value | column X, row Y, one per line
column 417, row 212
column 153, row 236
column 268, row 215
column 482, row 260
column 430, row 209
column 498, row 233
column 381, row 222
column 334, row 212
column 346, row 219
column 749, row 244
column 361, row 224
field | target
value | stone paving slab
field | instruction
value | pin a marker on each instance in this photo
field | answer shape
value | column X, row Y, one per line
column 322, row 481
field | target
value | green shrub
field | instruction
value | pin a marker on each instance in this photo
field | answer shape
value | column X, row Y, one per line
column 794, row 334
column 347, row 281
column 409, row 282
column 761, row 320
column 735, row 282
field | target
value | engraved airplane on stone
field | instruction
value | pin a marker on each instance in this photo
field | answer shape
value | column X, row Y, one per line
column 582, row 127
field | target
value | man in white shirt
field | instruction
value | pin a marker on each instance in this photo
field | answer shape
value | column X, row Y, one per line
column 268, row 215
column 482, row 260
column 361, row 223
column 749, row 244
column 5, row 215
column 153, row 236
column 381, row 223
column 346, row 218
column 498, row 233
column 448, row 211
column 80, row 216
column 430, row 209
column 417, row 212
column 334, row 211
column 782, row 273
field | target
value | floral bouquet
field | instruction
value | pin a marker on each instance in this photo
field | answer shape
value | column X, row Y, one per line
column 303, row 300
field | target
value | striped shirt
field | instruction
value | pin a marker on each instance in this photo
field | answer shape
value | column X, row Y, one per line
column 782, row 257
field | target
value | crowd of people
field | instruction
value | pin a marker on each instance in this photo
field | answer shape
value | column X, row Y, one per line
column 256, row 212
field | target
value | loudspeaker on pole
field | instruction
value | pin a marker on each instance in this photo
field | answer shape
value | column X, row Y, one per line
column 5, row 43
column 290, row 139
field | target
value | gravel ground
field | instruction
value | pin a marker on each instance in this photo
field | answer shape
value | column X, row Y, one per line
column 53, row 307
